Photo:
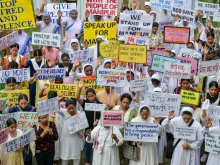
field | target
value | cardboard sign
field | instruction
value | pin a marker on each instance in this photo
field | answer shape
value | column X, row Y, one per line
column 103, row 28
column 188, row 133
column 26, row 120
column 4, row 136
column 208, row 68
column 143, row 132
column 184, row 14
column 47, row 106
column 4, row 118
column 158, row 62
column 108, row 49
column 138, row 85
column 135, row 24
column 212, row 143
column 52, row 10
column 163, row 24
column 102, row 7
column 51, row 73
column 177, row 35
column 216, row 17
column 19, row 142
column 155, row 50
column 189, row 53
column 214, row 114
column 189, row 97
column 136, row 40
column 177, row 70
column 21, row 75
column 8, row 40
column 134, row 53
column 207, row 8
column 68, row 90
column 164, row 4
column 47, row 39
column 77, row 123
column 134, row 12
column 161, row 103
column 112, row 118
column 94, row 107
column 111, row 77
column 16, row 15
column 194, row 65
column 12, row 95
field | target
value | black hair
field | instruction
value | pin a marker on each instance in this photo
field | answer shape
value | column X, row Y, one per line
column 155, row 80
column 58, row 79
column 37, row 52
column 52, row 94
column 127, row 96
column 45, row 66
column 87, row 67
column 187, row 113
column 10, row 121
column 90, row 90
column 70, row 101
column 22, row 96
column 213, row 84
column 65, row 55
column 130, row 72
column 210, row 34
column 107, row 63
column 13, row 65
column 155, row 24
column 15, row 45
column 145, row 108
column 185, row 80
column 11, row 80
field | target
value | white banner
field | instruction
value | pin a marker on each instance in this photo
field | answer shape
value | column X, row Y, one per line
column 136, row 40
column 208, row 68
column 94, row 107
column 207, row 8
column 4, row 118
column 8, row 40
column 138, row 85
column 188, row 133
column 214, row 114
column 216, row 17
column 165, row 23
column 47, row 39
column 184, row 14
column 185, row 52
column 51, row 73
column 163, row 4
column 47, row 106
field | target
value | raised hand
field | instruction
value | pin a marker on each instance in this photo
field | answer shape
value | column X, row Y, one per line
column 77, row 62
column 87, row 14
column 46, row 86
column 171, row 114
column 59, row 13
column 208, row 123
column 186, row 146
column 81, row 83
column 65, row 38
column 198, row 13
column 37, row 12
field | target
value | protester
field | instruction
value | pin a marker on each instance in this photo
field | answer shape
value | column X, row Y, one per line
column 25, row 45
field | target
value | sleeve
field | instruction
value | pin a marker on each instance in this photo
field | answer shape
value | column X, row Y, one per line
column 28, row 64
column 38, row 138
column 38, row 24
column 132, row 115
column 12, row 110
column 30, row 48
column 54, row 136
column 199, row 139
column 119, row 136
column 167, row 126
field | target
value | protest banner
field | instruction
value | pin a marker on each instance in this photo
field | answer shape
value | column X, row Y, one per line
column 207, row 8
column 189, row 97
column 4, row 136
column 47, row 106
column 21, row 75
column 212, row 142
column 47, row 39
column 138, row 85
column 16, row 15
column 216, row 17
column 102, row 7
column 158, row 61
column 19, row 142
column 143, row 132
column 134, row 12
column 67, row 90
column 161, row 103
column 136, row 40
column 51, row 73
column 4, row 118
column 177, row 70
column 186, row 133
column 112, row 118
column 8, row 40
column 77, row 123
column 108, row 49
column 111, row 77
column 163, row 24
column 178, row 2
column 12, row 95
column 184, row 14
column 26, row 120
column 135, row 24
column 189, row 53
column 107, row 29
column 94, row 107
column 134, row 53
column 214, row 114
column 164, row 4
column 208, row 68
column 176, row 35
column 52, row 10
column 193, row 63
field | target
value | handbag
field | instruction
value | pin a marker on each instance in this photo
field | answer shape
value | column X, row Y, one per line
column 131, row 152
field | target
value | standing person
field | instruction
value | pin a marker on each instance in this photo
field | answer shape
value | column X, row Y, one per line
column 147, row 7
column 185, row 85
column 156, row 38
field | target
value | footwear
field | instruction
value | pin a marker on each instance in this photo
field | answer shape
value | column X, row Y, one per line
column 204, row 158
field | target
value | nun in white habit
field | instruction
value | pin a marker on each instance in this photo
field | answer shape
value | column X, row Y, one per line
column 188, row 152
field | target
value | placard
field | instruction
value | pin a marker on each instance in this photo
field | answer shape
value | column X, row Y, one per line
column 212, row 142
column 190, row 53
column 189, row 97
column 8, row 40
column 12, row 95
column 94, row 107
column 209, row 68
column 77, row 123
column 176, row 35
column 133, row 24
column 112, row 118
column 4, row 118
column 21, row 75
column 194, row 65
column 102, row 7
column 107, row 29
column 184, row 14
column 207, row 8
column 26, row 120
column 111, row 77
column 163, row 24
column 164, row 4
column 134, row 12
column 136, row 40
column 4, row 135
column 158, row 51
column 143, row 132
column 67, row 90
column 52, row 10
column 214, row 114
column 47, row 39
column 134, row 53
column 188, row 133
column 138, row 85
column 177, row 70
column 51, row 73
column 19, row 142
column 22, row 16
column 47, row 106
column 158, row 61
column 108, row 49
column 161, row 103
column 216, row 17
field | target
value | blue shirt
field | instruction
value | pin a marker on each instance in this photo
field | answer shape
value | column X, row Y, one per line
column 16, row 108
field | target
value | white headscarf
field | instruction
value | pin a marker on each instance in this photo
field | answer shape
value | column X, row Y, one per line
column 187, row 109
column 88, row 64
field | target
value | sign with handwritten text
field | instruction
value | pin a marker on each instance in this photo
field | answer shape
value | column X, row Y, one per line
column 12, row 95
column 108, row 49
column 189, row 53
column 163, row 4
column 165, row 23
column 188, row 133
column 184, row 14
column 112, row 118
column 214, row 114
column 208, row 68
column 189, row 97
column 8, row 40
column 138, row 85
column 207, row 8
column 94, row 107
column 47, row 106
column 4, row 118
column 26, row 120
column 192, row 62
column 136, row 40
column 47, row 39
column 4, row 135
column 211, row 143
column 67, row 90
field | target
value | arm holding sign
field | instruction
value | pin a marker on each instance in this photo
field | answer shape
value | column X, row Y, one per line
column 117, row 137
